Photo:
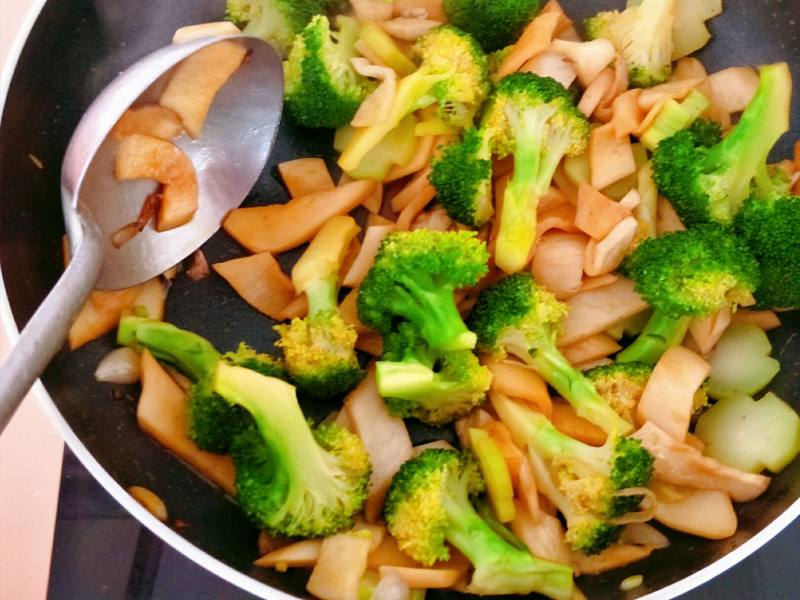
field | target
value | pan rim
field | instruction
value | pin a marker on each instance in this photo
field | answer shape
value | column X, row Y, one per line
column 195, row 554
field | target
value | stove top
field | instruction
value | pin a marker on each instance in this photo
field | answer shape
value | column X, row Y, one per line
column 100, row 552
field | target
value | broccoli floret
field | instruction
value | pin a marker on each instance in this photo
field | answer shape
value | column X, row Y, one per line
column 452, row 73
column 494, row 23
column 709, row 184
column 495, row 61
column 413, row 279
column 434, row 387
column 291, row 480
column 274, row 21
column 462, row 176
column 428, row 506
column 321, row 87
column 642, row 34
column 707, row 132
column 247, row 357
column 621, row 385
column 593, row 485
column 770, row 227
column 320, row 349
column 684, row 275
column 516, row 316
column 535, row 119
column 213, row 423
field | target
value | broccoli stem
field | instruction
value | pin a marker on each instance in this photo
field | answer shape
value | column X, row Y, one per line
column 556, row 370
column 661, row 333
column 191, row 353
column 499, row 567
column 321, row 295
column 413, row 92
column 432, row 308
column 742, row 155
column 404, row 379
column 533, row 169
column 416, row 383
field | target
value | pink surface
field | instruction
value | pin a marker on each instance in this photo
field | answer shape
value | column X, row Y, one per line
column 30, row 451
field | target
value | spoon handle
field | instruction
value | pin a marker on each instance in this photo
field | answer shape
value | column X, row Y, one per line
column 45, row 332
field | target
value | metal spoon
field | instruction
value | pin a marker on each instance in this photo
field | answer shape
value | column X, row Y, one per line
column 228, row 157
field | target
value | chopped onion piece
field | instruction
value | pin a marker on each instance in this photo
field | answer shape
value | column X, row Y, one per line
column 642, row 534
column 119, row 366
column 391, row 587
column 409, row 29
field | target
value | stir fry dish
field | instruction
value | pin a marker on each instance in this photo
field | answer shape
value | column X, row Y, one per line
column 557, row 245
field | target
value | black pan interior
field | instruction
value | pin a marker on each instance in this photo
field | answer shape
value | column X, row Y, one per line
column 74, row 50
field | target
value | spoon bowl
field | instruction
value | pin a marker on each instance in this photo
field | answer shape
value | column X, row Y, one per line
column 228, row 158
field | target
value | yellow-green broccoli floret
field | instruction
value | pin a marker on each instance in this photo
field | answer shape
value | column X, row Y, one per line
column 516, row 316
column 452, row 74
column 291, row 480
column 684, row 275
column 708, row 179
column 621, row 385
column 533, row 118
column 319, row 350
column 274, row 21
column 428, row 506
column 643, row 35
column 593, row 485
column 321, row 87
column 434, row 387
column 413, row 279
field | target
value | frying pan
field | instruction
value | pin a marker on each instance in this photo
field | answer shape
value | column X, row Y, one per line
column 73, row 50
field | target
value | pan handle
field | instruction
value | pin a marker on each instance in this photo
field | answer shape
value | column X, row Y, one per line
column 45, row 332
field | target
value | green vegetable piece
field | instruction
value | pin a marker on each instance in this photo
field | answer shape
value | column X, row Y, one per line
column 452, row 73
column 433, row 386
column 430, row 505
column 687, row 274
column 751, row 435
column 319, row 350
column 586, row 483
column 770, row 226
column 517, row 316
column 706, row 179
column 291, row 480
column 274, row 21
column 462, row 176
column 494, row 23
column 741, row 362
column 413, row 279
column 213, row 423
column 322, row 89
column 534, row 119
